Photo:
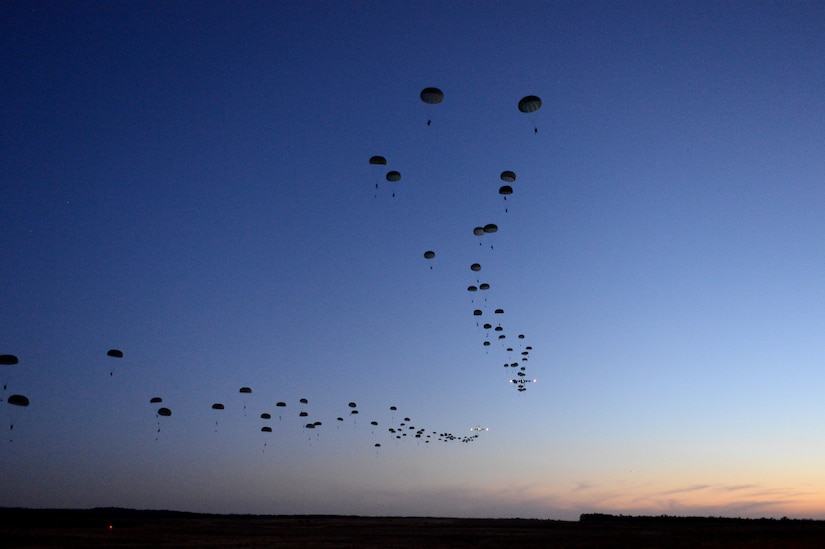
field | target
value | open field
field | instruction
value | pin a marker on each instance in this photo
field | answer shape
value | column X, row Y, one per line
column 131, row 528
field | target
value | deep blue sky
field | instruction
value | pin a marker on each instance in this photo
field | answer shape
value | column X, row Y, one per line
column 188, row 182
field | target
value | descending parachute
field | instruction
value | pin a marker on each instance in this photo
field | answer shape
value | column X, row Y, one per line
column 433, row 96
column 353, row 405
column 266, row 416
column 266, row 429
column 165, row 412
column 115, row 353
column 217, row 406
column 393, row 176
column 490, row 228
column 378, row 160
column 304, row 401
column 155, row 400
column 18, row 400
column 429, row 254
column 246, row 390
column 475, row 267
column 8, row 360
column 508, row 176
column 505, row 190
column 530, row 103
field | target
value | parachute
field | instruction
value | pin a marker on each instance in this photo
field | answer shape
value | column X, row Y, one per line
column 8, row 360
column 490, row 228
column 281, row 404
column 303, row 414
column 378, row 160
column 217, row 406
column 507, row 176
column 477, row 312
column 352, row 405
column 266, row 416
column 245, row 390
column 484, row 286
column 304, row 401
column 115, row 353
column 266, row 429
column 530, row 103
column 472, row 289
column 475, row 267
column 432, row 96
column 165, row 412
column 429, row 254
column 505, row 190
column 393, row 176
column 18, row 400
column 155, row 400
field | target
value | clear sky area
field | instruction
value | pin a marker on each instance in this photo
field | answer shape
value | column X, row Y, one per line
column 189, row 183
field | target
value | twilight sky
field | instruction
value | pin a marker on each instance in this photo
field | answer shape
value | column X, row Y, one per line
column 188, row 182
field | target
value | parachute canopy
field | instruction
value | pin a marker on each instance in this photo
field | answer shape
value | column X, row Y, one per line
column 531, row 103
column 475, row 267
column 155, row 400
column 429, row 254
column 508, row 176
column 490, row 228
column 304, row 401
column 166, row 412
column 505, row 190
column 18, row 400
column 266, row 416
column 281, row 404
column 393, row 176
column 217, row 406
column 433, row 96
column 478, row 231
column 266, row 429
column 8, row 360
column 352, row 405
column 378, row 160
column 115, row 353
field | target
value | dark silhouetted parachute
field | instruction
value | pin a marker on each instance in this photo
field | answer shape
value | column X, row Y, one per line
column 266, row 416
column 165, row 412
column 472, row 288
column 477, row 312
column 499, row 311
column 18, row 400
column 528, row 104
column 433, row 96
column 155, row 400
column 8, row 360
column 505, row 190
column 508, row 177
column 266, row 429
column 484, row 286
column 352, row 405
column 373, row 423
column 393, row 176
column 378, row 160
column 393, row 408
column 490, row 228
column 281, row 404
column 246, row 390
column 475, row 267
column 115, row 353
column 429, row 254
column 303, row 414
column 478, row 231
column 304, row 401
column 217, row 406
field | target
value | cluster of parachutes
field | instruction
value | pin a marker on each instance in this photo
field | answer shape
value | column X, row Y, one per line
column 518, row 352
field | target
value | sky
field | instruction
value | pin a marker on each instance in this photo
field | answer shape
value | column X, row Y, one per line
column 188, row 182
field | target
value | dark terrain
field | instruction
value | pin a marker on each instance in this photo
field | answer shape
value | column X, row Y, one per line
column 109, row 527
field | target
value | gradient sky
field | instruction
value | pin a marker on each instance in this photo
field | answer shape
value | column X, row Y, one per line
column 188, row 182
